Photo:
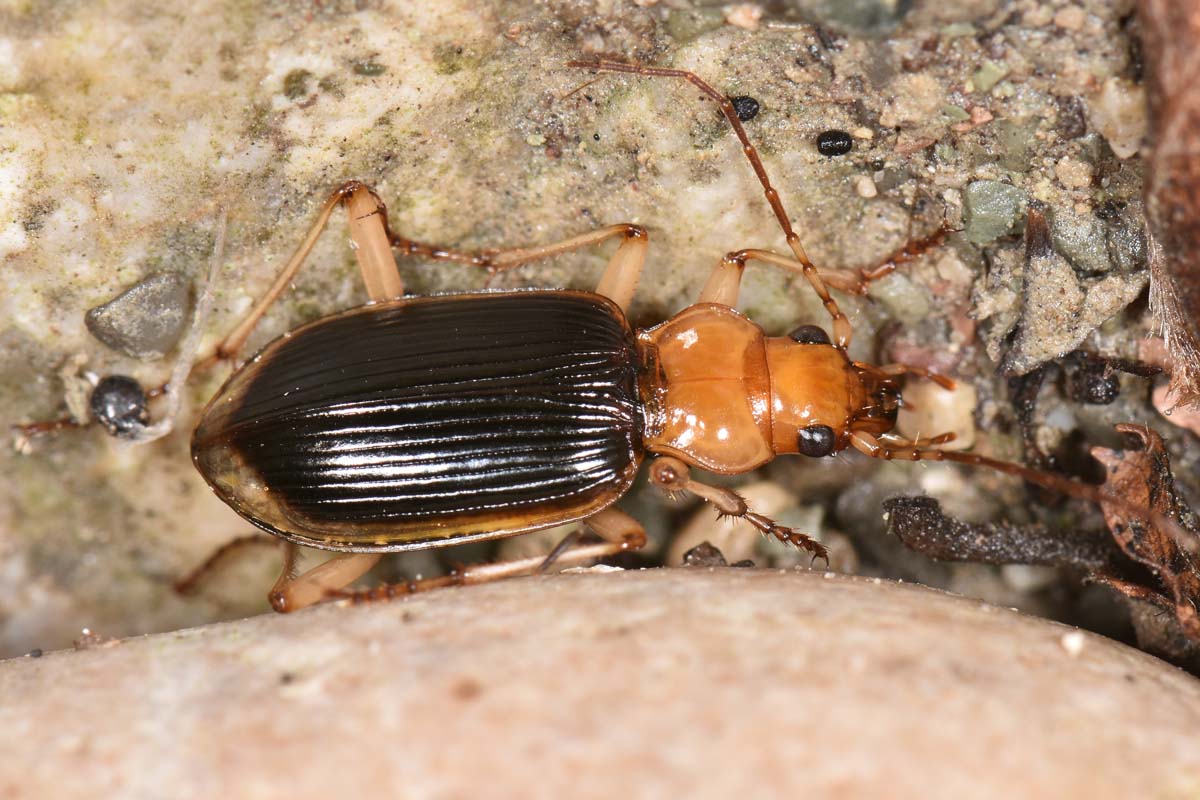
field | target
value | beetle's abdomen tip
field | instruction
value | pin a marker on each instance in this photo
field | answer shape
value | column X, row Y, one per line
column 233, row 480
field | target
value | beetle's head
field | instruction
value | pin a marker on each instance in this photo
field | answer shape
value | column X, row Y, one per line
column 816, row 393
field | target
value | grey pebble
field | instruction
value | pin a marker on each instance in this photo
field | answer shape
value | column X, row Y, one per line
column 147, row 319
column 992, row 209
column 862, row 17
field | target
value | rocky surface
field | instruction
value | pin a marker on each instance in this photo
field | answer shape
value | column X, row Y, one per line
column 665, row 683
column 126, row 128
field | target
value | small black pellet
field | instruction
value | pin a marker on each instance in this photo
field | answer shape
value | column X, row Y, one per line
column 834, row 143
column 745, row 107
column 119, row 404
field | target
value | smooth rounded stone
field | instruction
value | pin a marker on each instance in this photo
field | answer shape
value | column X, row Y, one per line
column 1119, row 114
column 991, row 209
column 666, row 683
column 930, row 410
column 145, row 320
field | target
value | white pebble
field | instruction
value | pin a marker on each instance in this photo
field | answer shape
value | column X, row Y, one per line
column 744, row 15
column 866, row 187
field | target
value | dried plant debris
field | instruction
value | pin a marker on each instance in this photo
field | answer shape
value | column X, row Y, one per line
column 1092, row 378
column 1143, row 477
column 1167, row 307
column 1145, row 563
column 1170, row 34
column 921, row 525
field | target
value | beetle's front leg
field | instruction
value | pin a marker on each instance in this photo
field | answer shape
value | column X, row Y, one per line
column 725, row 281
column 672, row 475
column 292, row 590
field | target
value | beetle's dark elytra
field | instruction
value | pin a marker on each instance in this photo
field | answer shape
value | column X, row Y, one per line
column 427, row 418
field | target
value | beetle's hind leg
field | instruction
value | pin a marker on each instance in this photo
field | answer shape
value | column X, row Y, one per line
column 368, row 210
column 672, row 475
column 620, row 533
column 190, row 583
column 293, row 591
column 369, row 233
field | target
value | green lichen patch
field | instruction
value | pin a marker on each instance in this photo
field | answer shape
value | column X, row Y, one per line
column 367, row 67
column 296, row 83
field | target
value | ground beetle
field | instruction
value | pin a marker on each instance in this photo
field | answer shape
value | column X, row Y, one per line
column 415, row 422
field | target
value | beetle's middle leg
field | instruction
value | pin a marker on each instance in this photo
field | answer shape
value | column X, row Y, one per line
column 672, row 475
column 620, row 276
column 621, row 533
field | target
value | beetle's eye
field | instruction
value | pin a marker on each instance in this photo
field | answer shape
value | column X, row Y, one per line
column 817, row 440
column 809, row 334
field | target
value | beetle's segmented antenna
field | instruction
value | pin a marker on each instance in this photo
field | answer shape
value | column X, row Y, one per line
column 871, row 446
column 841, row 325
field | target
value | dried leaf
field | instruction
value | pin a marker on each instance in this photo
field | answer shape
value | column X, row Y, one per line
column 1142, row 477
column 921, row 525
column 1171, row 35
column 1165, row 305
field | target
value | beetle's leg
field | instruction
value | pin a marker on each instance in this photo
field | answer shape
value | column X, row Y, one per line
column 842, row 330
column 620, row 532
column 894, row 441
column 293, row 592
column 618, row 282
column 896, row 370
column 724, row 283
column 725, row 280
column 672, row 475
column 189, row 583
column 368, row 229
column 564, row 544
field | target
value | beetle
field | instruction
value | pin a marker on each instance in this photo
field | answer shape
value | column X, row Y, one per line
column 417, row 422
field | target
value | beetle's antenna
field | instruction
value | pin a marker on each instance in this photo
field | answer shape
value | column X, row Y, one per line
column 841, row 325
column 871, row 446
